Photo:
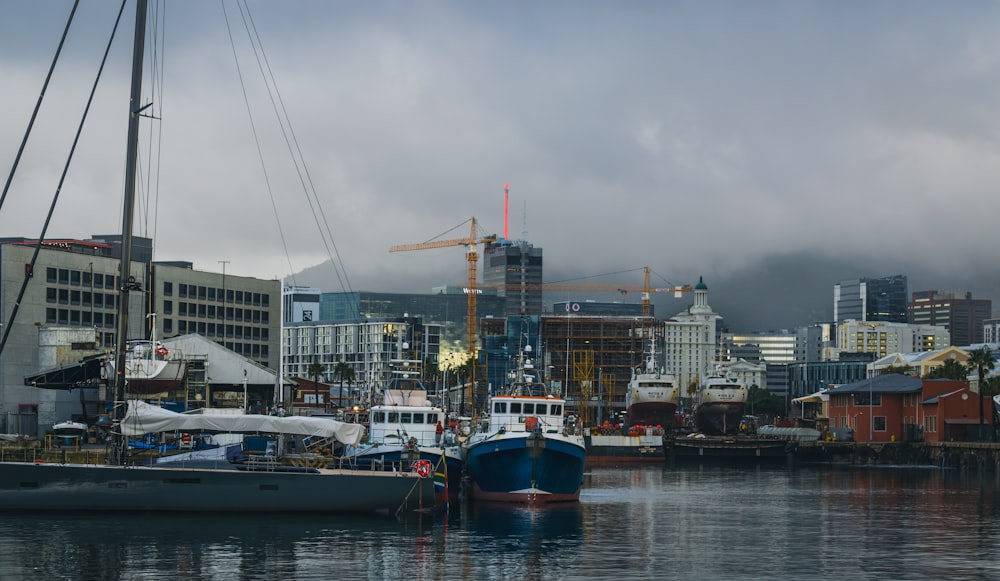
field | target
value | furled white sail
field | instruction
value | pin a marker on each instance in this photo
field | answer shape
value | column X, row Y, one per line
column 143, row 418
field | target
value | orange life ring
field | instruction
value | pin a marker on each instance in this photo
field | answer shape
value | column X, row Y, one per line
column 162, row 351
column 422, row 468
column 530, row 423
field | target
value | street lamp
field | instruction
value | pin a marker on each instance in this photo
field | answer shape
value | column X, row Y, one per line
column 871, row 417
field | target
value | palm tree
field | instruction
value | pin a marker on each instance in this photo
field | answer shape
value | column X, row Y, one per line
column 344, row 372
column 315, row 370
column 981, row 361
column 951, row 369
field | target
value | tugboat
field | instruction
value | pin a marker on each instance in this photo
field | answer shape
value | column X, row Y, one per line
column 524, row 452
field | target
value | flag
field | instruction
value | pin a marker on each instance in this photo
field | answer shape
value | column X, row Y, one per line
column 441, row 483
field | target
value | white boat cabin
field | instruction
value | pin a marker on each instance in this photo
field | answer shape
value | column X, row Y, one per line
column 520, row 413
column 406, row 414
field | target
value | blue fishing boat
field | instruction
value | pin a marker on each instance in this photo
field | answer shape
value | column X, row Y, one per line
column 524, row 451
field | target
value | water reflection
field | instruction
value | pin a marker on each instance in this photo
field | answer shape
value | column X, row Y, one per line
column 699, row 522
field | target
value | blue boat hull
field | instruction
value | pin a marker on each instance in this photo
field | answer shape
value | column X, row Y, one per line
column 531, row 469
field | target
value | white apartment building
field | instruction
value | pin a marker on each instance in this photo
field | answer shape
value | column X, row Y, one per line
column 690, row 340
column 884, row 338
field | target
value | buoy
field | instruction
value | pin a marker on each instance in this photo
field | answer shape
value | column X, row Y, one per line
column 422, row 468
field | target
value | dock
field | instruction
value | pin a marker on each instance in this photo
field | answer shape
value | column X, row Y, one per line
column 746, row 448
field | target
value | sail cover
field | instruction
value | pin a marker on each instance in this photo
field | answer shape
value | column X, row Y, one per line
column 143, row 418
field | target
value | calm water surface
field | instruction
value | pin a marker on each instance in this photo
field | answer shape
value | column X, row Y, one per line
column 700, row 522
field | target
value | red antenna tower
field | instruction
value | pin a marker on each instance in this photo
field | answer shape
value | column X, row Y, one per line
column 506, row 190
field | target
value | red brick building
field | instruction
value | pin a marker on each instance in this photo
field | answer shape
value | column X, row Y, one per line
column 900, row 408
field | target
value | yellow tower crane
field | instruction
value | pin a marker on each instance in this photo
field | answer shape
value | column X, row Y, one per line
column 472, row 257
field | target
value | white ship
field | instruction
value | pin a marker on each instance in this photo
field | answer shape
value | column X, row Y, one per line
column 651, row 399
column 721, row 404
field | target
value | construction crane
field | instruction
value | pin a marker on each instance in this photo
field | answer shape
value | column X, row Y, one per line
column 472, row 256
column 623, row 290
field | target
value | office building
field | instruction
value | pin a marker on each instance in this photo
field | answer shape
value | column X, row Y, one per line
column 300, row 304
column 871, row 299
column 956, row 311
column 447, row 307
column 883, row 338
column 514, row 269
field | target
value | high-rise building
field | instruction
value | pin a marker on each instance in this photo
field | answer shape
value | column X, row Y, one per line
column 514, row 269
column 956, row 311
column 871, row 299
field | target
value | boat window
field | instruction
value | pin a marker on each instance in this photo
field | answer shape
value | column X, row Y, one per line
column 556, row 409
column 393, row 417
column 540, row 409
column 500, row 407
column 418, row 418
column 379, row 416
column 529, row 408
column 515, row 407
column 405, row 418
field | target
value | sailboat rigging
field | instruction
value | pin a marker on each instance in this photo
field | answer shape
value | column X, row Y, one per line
column 257, row 484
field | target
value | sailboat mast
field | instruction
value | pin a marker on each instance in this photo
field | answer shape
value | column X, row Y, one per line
column 127, row 283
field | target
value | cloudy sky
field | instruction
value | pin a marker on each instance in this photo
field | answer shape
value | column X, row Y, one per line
column 699, row 138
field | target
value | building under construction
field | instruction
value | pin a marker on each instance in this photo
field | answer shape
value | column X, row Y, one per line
column 588, row 358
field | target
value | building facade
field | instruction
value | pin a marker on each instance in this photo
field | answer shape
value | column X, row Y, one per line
column 871, row 299
column 691, row 347
column 514, row 269
column 956, row 311
column 240, row 313
column 447, row 308
column 882, row 338
column 300, row 304
column 73, row 287
column 371, row 348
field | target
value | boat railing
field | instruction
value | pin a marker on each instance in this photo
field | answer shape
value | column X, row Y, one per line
column 56, row 455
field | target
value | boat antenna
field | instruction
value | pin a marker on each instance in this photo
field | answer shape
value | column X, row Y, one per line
column 127, row 282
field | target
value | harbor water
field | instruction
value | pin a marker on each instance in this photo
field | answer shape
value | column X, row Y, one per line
column 688, row 522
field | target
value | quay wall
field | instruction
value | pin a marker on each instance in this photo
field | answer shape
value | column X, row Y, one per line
column 981, row 456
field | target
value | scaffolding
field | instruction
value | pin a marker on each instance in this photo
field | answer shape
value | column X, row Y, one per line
column 591, row 358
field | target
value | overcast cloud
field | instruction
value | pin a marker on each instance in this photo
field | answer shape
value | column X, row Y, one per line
column 700, row 138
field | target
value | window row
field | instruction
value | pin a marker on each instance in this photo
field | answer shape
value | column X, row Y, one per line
column 203, row 311
column 213, row 294
column 539, row 409
column 216, row 330
column 85, row 278
column 79, row 318
column 65, row 296
column 407, row 417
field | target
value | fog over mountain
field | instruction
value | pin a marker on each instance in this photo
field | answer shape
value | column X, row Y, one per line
column 781, row 291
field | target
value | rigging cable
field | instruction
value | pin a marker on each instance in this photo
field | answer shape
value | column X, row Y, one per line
column 29, row 270
column 295, row 152
column 38, row 105
column 253, row 129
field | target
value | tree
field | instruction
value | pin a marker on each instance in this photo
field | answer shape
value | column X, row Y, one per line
column 951, row 369
column 763, row 402
column 343, row 371
column 897, row 369
column 315, row 370
column 981, row 361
